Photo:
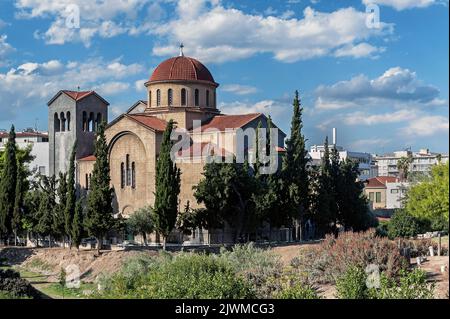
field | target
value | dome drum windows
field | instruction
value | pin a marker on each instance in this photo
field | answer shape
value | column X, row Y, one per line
column 158, row 97
column 169, row 97
column 183, row 97
column 197, row 97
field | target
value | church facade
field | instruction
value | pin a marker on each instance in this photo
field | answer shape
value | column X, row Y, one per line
column 180, row 88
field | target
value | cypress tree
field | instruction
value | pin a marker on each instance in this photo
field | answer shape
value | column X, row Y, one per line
column 60, row 207
column 8, row 185
column 46, row 209
column 76, row 231
column 99, row 217
column 167, row 187
column 18, row 204
column 69, row 211
column 294, row 170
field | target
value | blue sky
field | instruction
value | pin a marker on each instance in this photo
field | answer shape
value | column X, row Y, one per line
column 384, row 86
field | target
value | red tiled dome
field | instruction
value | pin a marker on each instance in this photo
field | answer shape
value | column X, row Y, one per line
column 182, row 68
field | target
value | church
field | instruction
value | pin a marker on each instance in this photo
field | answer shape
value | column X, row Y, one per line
column 180, row 88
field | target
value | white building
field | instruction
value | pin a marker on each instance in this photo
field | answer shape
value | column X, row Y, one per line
column 422, row 161
column 395, row 194
column 40, row 148
column 366, row 167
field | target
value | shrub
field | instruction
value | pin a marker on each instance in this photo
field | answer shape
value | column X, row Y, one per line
column 420, row 247
column 256, row 266
column 292, row 286
column 13, row 286
column 402, row 224
column 333, row 256
column 410, row 285
column 382, row 228
column 352, row 284
column 186, row 275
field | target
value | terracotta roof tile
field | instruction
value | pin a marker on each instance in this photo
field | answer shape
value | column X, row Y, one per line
column 88, row 158
column 222, row 122
column 78, row 95
column 182, row 68
column 380, row 181
column 149, row 121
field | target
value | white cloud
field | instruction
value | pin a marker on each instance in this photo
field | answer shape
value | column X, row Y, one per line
column 362, row 118
column 218, row 34
column 402, row 4
column 395, row 87
column 369, row 143
column 276, row 109
column 5, row 47
column 139, row 85
column 97, row 18
column 427, row 126
column 32, row 83
column 239, row 89
column 3, row 23
column 359, row 51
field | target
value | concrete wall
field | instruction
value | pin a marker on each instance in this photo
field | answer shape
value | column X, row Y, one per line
column 374, row 204
column 395, row 194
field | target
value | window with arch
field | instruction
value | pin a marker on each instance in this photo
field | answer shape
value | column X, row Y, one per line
column 158, row 97
column 197, row 97
column 56, row 123
column 207, row 98
column 169, row 97
column 133, row 175
column 149, row 98
column 85, row 122
column 122, row 175
column 183, row 97
column 128, row 171
column 68, row 120
column 63, row 122
column 91, row 122
column 98, row 121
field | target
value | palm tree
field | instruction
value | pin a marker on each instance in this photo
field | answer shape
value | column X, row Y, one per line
column 403, row 166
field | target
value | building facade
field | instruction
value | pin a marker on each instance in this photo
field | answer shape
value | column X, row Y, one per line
column 385, row 192
column 182, row 89
column 421, row 161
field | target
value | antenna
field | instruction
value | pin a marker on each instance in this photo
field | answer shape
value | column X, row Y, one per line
column 181, row 49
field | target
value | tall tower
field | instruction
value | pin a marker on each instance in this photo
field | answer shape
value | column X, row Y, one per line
column 73, row 115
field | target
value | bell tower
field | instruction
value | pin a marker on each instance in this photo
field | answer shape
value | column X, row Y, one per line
column 73, row 115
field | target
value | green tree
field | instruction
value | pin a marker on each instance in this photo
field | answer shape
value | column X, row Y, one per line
column 46, row 209
column 167, row 187
column 429, row 200
column 70, row 205
column 142, row 222
column 59, row 211
column 77, row 230
column 99, row 217
column 403, row 224
column 8, row 183
column 294, row 169
column 403, row 166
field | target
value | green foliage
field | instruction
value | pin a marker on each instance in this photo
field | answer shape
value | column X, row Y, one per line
column 403, row 166
column 190, row 276
column 70, row 204
column 44, row 215
column 403, row 224
column 99, row 215
column 12, row 286
column 256, row 266
column 294, row 169
column 142, row 222
column 411, row 284
column 382, row 228
column 60, row 207
column 62, row 278
column 352, row 284
column 429, row 200
column 8, row 180
column 76, row 231
column 167, row 185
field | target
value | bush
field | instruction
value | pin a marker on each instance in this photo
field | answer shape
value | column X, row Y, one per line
column 333, row 256
column 382, row 228
column 259, row 267
column 183, row 276
column 410, row 285
column 15, row 287
column 352, row 284
column 402, row 224
column 292, row 286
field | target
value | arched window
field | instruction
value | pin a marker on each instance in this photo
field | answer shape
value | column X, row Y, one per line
column 158, row 97
column 197, row 97
column 56, row 123
column 133, row 175
column 215, row 99
column 91, row 122
column 169, row 97
column 122, row 175
column 128, row 170
column 207, row 98
column 149, row 98
column 68, row 121
column 87, row 182
column 183, row 97
column 63, row 122
column 85, row 122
